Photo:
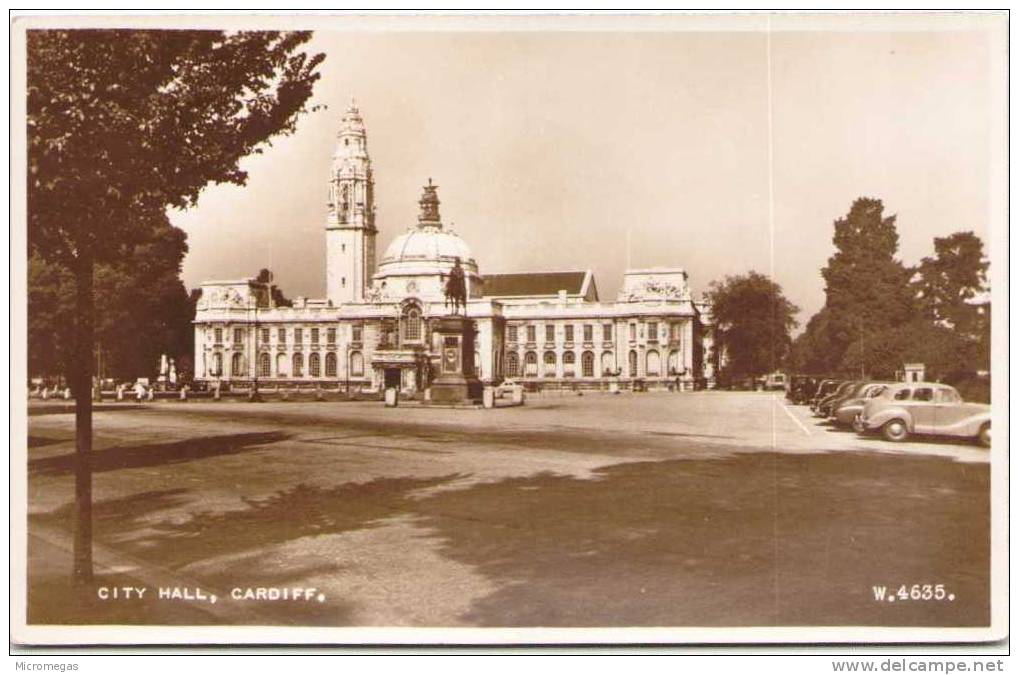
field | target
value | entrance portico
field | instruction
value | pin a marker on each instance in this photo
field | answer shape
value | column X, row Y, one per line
column 406, row 369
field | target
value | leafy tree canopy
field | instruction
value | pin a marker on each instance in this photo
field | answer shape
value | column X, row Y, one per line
column 752, row 320
column 954, row 275
column 125, row 123
column 142, row 310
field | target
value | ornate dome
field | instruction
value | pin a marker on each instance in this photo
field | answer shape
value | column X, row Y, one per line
column 427, row 246
column 418, row 262
column 422, row 244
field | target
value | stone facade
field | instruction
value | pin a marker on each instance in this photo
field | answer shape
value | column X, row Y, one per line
column 375, row 328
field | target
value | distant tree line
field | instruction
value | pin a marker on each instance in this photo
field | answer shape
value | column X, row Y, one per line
column 142, row 310
column 879, row 313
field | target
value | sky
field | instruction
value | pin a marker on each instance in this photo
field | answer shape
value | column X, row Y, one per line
column 552, row 150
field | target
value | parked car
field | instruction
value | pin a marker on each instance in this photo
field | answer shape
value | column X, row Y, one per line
column 845, row 390
column 924, row 408
column 822, row 407
column 506, row 387
column 801, row 388
column 846, row 411
column 773, row 381
column 824, row 389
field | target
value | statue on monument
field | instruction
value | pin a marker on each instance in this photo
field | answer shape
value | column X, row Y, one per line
column 456, row 288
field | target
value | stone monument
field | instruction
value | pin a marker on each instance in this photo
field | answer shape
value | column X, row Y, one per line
column 457, row 381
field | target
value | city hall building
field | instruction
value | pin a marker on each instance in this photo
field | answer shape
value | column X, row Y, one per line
column 373, row 329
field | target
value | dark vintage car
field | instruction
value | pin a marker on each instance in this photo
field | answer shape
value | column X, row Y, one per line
column 846, row 390
column 824, row 389
column 823, row 406
column 846, row 411
column 802, row 388
column 924, row 408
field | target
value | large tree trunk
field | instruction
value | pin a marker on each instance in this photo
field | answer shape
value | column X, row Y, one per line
column 82, row 383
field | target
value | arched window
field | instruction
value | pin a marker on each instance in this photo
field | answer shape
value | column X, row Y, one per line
column 569, row 364
column 298, row 365
column 654, row 364
column 217, row 364
column 632, row 363
column 674, row 362
column 550, row 360
column 281, row 365
column 237, row 365
column 587, row 364
column 608, row 363
column 531, row 364
column 356, row 364
column 331, row 364
column 314, row 365
column 412, row 324
column 512, row 364
column 264, row 365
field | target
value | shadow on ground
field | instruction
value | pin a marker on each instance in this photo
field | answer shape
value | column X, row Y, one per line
column 244, row 540
column 755, row 539
column 157, row 454
column 751, row 540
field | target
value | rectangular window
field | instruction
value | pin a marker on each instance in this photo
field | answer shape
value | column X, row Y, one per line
column 331, row 336
column 569, row 333
column 511, row 333
column 265, row 336
column 314, row 336
column 549, row 333
column 606, row 332
column 652, row 331
column 531, row 330
column 238, row 336
column 355, row 333
column 588, row 332
column 298, row 335
column 633, row 332
column 218, row 339
column 281, row 336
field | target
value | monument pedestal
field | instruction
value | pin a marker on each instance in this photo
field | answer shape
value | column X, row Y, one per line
column 457, row 381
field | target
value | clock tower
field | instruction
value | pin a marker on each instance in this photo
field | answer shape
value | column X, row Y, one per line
column 350, row 224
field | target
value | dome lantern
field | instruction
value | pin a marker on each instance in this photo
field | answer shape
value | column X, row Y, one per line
column 429, row 203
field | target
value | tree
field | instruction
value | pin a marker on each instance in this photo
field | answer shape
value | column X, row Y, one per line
column 867, row 291
column 123, row 124
column 809, row 351
column 867, row 288
column 278, row 299
column 142, row 310
column 943, row 352
column 753, row 320
column 954, row 276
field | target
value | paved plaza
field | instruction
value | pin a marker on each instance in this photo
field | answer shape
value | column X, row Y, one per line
column 655, row 509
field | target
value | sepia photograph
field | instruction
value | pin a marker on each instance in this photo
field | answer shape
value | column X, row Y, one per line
column 520, row 330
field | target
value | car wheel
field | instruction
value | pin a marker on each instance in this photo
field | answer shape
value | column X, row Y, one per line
column 895, row 431
column 984, row 437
